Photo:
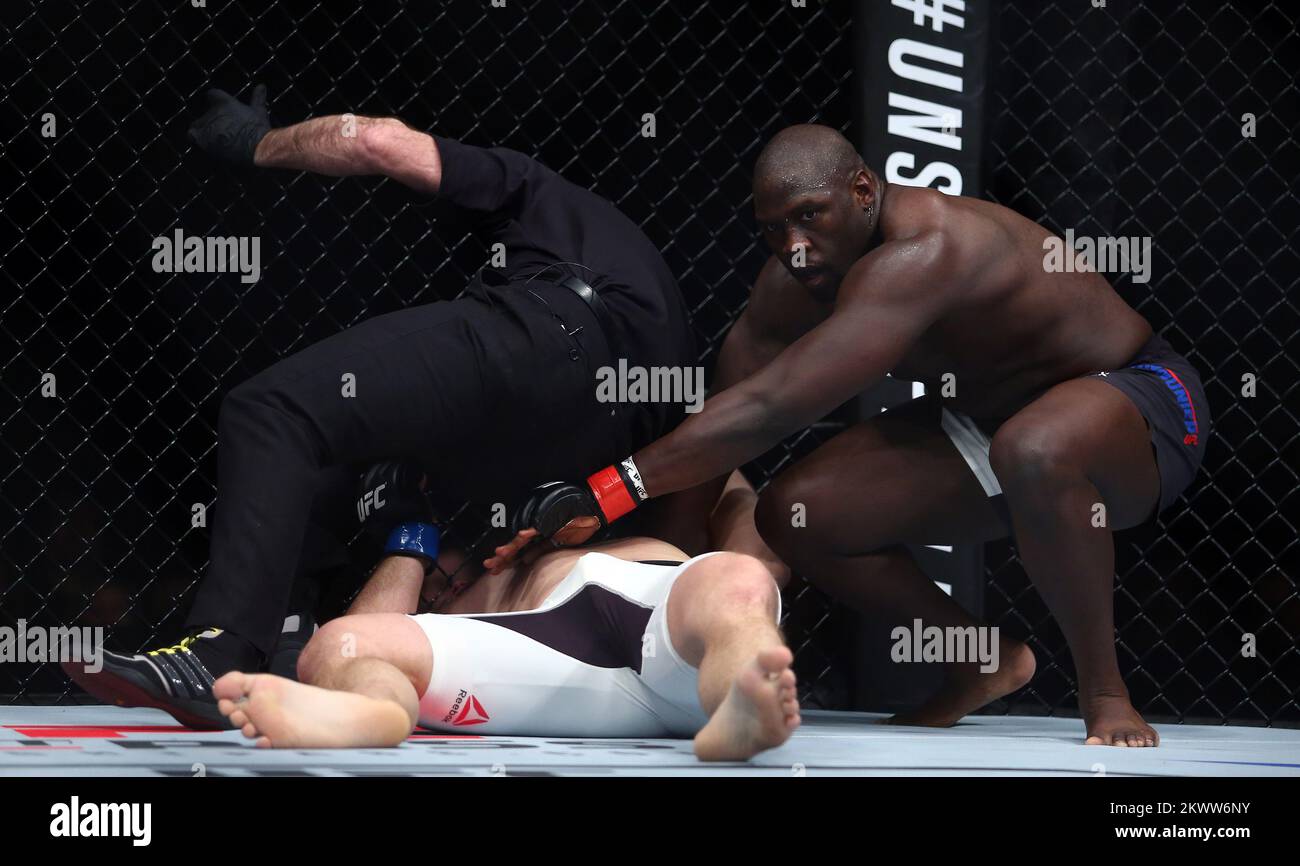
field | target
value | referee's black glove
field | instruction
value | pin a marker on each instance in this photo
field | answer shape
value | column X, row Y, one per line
column 230, row 130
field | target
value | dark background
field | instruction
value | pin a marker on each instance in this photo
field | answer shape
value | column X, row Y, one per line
column 1123, row 121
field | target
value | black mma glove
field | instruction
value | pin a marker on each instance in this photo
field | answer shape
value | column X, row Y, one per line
column 570, row 514
column 393, row 510
column 554, row 505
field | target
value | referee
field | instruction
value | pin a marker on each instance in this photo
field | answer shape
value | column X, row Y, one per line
column 490, row 394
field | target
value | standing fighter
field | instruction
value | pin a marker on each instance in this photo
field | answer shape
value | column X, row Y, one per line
column 489, row 394
column 1070, row 419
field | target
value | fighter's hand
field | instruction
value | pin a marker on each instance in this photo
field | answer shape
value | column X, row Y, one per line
column 390, row 493
column 393, row 510
column 230, row 130
column 509, row 552
column 569, row 514
column 562, row 513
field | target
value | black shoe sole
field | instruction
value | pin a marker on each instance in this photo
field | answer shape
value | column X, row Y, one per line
column 124, row 690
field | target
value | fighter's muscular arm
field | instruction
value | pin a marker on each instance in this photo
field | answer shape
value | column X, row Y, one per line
column 765, row 327
column 886, row 301
column 778, row 313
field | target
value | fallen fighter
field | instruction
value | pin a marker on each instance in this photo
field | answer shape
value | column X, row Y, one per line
column 630, row 638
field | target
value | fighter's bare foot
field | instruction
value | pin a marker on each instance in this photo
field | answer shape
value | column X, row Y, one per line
column 1111, row 720
column 283, row 714
column 966, row 688
column 759, row 712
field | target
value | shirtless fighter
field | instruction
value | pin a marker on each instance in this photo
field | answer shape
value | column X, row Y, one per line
column 1070, row 420
column 627, row 639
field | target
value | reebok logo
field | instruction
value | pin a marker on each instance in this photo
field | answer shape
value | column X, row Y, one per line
column 472, row 713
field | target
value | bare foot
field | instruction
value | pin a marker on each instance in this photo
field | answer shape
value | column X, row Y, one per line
column 1111, row 721
column 966, row 689
column 759, row 712
column 283, row 714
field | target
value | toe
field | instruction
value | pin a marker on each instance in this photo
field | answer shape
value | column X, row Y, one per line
column 231, row 686
column 775, row 659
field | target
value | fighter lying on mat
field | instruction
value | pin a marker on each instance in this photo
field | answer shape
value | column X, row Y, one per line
column 629, row 638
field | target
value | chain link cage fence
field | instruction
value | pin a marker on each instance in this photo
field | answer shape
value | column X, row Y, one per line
column 99, row 481
column 1124, row 128
column 1128, row 121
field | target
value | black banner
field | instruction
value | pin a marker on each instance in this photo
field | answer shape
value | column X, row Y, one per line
column 923, row 70
column 921, row 76
column 386, row 817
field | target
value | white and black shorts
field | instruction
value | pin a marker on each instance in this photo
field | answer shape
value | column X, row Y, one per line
column 594, row 660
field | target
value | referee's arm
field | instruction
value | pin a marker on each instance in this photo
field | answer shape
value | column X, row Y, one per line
column 347, row 145
column 529, row 204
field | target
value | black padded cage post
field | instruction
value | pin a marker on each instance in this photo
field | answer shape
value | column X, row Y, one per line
column 920, row 94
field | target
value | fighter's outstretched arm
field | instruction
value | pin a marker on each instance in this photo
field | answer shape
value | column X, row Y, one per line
column 885, row 303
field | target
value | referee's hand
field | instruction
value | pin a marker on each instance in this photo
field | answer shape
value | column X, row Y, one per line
column 230, row 130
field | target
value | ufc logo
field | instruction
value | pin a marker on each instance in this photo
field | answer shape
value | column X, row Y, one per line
column 368, row 503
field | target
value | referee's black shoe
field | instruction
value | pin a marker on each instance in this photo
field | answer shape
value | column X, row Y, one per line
column 177, row 679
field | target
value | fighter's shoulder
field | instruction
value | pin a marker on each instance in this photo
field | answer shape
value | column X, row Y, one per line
column 960, row 229
column 938, row 235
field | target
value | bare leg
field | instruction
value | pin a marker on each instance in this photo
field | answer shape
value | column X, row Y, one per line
column 1081, row 445
column 358, row 688
column 722, row 620
column 860, row 497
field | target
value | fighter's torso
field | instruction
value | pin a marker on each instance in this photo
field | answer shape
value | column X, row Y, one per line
column 525, row 587
column 1011, row 329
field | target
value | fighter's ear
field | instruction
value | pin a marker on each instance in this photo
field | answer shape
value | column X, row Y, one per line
column 863, row 186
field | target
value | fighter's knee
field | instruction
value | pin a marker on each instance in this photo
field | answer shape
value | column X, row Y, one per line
column 781, row 514
column 1022, row 454
column 744, row 581
column 333, row 642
